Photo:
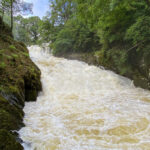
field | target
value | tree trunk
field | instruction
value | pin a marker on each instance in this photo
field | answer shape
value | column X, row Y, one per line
column 11, row 15
column 148, row 2
column 3, row 9
column 3, row 14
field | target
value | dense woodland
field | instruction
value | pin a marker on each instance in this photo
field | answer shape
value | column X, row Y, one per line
column 117, row 32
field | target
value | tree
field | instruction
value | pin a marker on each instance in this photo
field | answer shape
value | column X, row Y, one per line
column 27, row 29
column 148, row 2
column 15, row 7
column 33, row 28
column 20, row 31
column 18, row 6
column 61, row 10
column 4, row 6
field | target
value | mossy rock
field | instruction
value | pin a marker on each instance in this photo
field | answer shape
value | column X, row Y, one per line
column 32, row 86
column 19, row 82
column 141, row 82
column 10, row 115
column 8, row 141
column 2, row 65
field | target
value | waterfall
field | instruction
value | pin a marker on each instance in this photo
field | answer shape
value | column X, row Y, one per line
column 84, row 107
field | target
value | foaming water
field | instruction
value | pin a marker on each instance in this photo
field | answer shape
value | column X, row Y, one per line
column 84, row 107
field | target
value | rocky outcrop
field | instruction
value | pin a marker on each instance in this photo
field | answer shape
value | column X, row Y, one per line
column 19, row 82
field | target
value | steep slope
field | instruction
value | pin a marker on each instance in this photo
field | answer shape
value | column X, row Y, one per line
column 19, row 82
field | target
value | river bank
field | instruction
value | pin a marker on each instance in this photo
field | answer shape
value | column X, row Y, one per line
column 19, row 82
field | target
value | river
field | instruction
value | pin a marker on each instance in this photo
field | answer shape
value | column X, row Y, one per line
column 84, row 107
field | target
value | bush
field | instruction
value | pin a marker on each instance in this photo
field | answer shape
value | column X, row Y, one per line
column 62, row 46
column 139, row 31
column 75, row 37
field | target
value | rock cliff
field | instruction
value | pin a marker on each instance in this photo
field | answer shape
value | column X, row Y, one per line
column 19, row 82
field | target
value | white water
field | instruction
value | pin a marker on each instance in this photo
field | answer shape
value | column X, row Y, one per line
column 85, row 108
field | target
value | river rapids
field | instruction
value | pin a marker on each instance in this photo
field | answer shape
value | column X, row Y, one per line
column 84, row 107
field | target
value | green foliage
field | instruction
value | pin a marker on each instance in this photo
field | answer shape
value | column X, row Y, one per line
column 62, row 46
column 61, row 11
column 27, row 29
column 119, row 58
column 46, row 30
column 139, row 31
column 139, row 36
column 12, row 7
column 74, row 37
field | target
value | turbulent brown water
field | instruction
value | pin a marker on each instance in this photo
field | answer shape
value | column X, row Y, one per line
column 84, row 107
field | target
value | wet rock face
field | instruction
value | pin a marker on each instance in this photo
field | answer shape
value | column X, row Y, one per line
column 31, row 85
column 10, row 120
column 19, row 82
column 8, row 141
column 10, row 115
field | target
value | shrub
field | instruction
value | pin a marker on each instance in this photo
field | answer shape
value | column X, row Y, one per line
column 139, row 31
column 75, row 37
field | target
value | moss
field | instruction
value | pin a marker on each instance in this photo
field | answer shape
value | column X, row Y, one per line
column 22, row 44
column 12, row 47
column 25, row 54
column 7, row 120
column 14, row 55
column 19, row 81
column 1, row 88
column 33, row 71
column 2, row 51
column 13, row 88
column 12, row 63
column 10, row 115
column 8, row 141
column 2, row 65
column 8, row 57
